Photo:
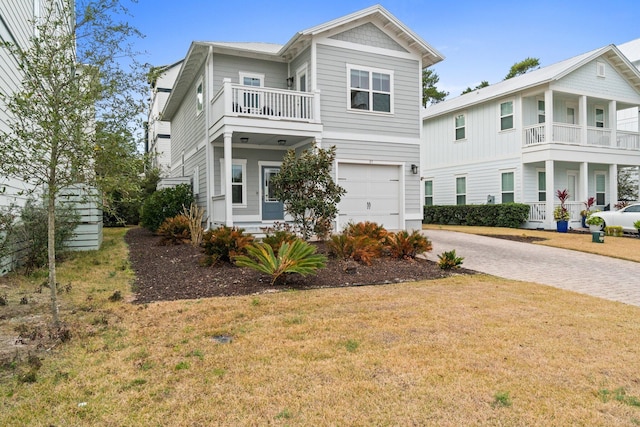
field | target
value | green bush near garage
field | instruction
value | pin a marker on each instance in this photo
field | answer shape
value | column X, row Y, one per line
column 511, row 215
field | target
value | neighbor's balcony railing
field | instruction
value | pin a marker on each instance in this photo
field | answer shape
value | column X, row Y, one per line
column 573, row 134
column 280, row 104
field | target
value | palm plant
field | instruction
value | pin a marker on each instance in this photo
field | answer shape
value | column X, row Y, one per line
column 293, row 257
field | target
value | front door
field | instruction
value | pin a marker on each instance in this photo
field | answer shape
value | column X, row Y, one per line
column 272, row 209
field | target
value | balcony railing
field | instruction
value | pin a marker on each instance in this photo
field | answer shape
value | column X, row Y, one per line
column 572, row 134
column 279, row 104
column 537, row 210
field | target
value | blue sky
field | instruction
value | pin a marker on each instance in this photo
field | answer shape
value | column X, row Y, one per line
column 479, row 39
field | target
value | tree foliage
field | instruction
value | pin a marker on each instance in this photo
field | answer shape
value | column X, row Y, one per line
column 308, row 191
column 627, row 184
column 482, row 84
column 73, row 78
column 523, row 67
column 430, row 93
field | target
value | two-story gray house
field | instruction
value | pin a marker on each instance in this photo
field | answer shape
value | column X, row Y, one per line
column 354, row 82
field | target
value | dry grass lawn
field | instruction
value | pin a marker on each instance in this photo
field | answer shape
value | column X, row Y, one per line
column 468, row 350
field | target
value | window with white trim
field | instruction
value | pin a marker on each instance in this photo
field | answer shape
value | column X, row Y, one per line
column 507, row 186
column 461, row 190
column 460, row 126
column 199, row 96
column 238, row 181
column 370, row 89
column 506, row 115
column 541, row 111
column 428, row 192
column 542, row 186
column 599, row 117
column 600, row 69
column 601, row 189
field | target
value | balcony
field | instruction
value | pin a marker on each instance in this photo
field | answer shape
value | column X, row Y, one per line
column 575, row 134
column 265, row 103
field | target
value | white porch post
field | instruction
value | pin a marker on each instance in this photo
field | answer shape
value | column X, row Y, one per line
column 583, row 119
column 584, row 181
column 613, row 185
column 550, row 193
column 548, row 116
column 613, row 124
column 228, row 199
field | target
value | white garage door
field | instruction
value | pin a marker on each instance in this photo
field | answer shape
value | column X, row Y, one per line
column 373, row 194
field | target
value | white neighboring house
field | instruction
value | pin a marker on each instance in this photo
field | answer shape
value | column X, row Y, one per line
column 158, row 143
column 628, row 119
column 354, row 82
column 522, row 139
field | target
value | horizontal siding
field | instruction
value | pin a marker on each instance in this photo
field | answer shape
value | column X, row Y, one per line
column 333, row 85
column 297, row 62
column 227, row 66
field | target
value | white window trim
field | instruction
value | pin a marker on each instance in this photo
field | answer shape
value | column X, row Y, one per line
column 513, row 115
column 455, row 127
column 595, row 185
column 243, row 74
column 455, row 183
column 424, row 188
column 538, row 184
column 371, row 70
column 595, row 116
column 196, row 181
column 223, row 178
column 199, row 102
column 302, row 70
column 502, row 192
column 538, row 111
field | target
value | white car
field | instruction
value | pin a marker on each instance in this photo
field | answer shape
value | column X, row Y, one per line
column 624, row 217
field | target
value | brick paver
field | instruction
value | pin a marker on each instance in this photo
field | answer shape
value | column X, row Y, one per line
column 595, row 275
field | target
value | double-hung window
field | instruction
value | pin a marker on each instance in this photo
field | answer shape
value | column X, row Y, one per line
column 370, row 89
column 600, row 188
column 460, row 124
column 508, row 187
column 428, row 192
column 506, row 115
column 461, row 190
column 238, row 181
column 599, row 117
column 542, row 186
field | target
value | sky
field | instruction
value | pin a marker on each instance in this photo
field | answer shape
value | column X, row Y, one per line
column 480, row 40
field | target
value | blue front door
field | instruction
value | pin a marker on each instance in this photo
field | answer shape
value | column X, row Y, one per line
column 272, row 209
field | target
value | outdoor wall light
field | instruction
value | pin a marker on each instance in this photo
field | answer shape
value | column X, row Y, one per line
column 244, row 139
column 282, row 141
column 414, row 169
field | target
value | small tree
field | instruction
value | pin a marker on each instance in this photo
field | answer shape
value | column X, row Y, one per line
column 430, row 93
column 308, row 191
column 523, row 67
column 627, row 184
column 482, row 84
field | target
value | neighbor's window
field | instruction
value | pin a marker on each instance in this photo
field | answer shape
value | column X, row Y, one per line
column 600, row 188
column 542, row 186
column 460, row 127
column 199, row 97
column 541, row 113
column 507, row 187
column 506, row 115
column 461, row 190
column 599, row 117
column 428, row 193
column 370, row 89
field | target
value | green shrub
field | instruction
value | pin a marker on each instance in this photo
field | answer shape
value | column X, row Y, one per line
column 449, row 260
column 175, row 230
column 225, row 243
column 294, row 257
column 511, row 215
column 277, row 238
column 403, row 245
column 163, row 204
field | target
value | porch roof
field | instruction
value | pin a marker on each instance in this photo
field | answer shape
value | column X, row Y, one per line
column 534, row 78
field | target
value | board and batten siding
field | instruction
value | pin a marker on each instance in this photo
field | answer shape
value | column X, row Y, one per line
column 332, row 81
column 585, row 80
column 187, row 127
column 227, row 66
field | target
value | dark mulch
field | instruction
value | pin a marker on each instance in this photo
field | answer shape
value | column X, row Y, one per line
column 524, row 239
column 165, row 273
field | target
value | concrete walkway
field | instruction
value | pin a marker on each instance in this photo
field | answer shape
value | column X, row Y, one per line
column 595, row 275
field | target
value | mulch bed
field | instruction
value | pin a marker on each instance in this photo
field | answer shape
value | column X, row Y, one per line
column 523, row 239
column 166, row 273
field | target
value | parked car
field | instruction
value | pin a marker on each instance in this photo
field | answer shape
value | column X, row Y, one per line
column 624, row 217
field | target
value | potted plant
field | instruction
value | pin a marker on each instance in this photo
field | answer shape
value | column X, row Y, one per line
column 594, row 223
column 637, row 226
column 586, row 211
column 561, row 213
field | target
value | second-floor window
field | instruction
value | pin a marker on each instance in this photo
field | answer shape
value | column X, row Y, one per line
column 370, row 89
column 506, row 115
column 460, row 124
column 199, row 97
column 599, row 117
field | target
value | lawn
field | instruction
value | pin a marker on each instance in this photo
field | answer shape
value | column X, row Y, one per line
column 466, row 350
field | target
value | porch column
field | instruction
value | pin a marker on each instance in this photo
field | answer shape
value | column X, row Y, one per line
column 613, row 124
column 228, row 199
column 584, row 181
column 583, row 119
column 613, row 186
column 550, row 193
column 548, row 116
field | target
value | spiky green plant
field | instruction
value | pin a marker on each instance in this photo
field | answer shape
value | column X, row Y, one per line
column 449, row 260
column 295, row 257
column 403, row 245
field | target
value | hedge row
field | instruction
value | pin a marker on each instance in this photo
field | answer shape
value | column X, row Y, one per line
column 511, row 215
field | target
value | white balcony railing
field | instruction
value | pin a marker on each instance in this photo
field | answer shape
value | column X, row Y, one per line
column 537, row 210
column 534, row 134
column 599, row 136
column 629, row 140
column 572, row 134
column 566, row 133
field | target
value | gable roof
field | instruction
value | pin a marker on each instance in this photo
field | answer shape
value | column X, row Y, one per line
column 537, row 77
column 631, row 50
column 198, row 51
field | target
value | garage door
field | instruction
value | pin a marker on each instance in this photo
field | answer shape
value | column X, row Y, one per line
column 373, row 194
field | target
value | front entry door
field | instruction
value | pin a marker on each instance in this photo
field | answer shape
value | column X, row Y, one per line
column 272, row 209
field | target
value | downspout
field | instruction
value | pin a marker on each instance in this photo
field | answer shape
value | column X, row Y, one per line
column 208, row 164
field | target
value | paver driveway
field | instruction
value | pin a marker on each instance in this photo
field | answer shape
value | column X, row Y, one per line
column 596, row 275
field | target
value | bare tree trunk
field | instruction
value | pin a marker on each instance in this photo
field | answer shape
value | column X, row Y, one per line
column 51, row 250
